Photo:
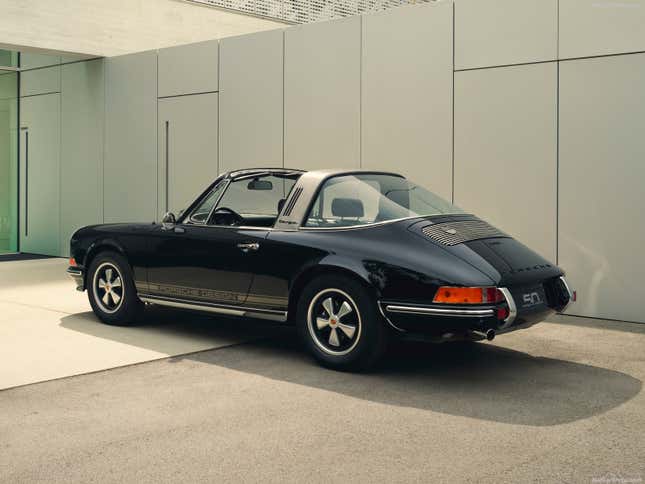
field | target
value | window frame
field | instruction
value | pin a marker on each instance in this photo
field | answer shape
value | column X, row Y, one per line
column 188, row 220
column 228, row 181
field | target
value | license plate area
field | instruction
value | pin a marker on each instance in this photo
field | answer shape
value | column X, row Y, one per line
column 530, row 298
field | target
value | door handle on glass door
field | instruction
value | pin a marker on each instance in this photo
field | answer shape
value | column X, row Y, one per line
column 247, row 246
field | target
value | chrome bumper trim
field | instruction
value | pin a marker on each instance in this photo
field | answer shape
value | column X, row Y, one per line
column 77, row 273
column 459, row 313
column 566, row 285
column 512, row 309
column 389, row 321
column 279, row 316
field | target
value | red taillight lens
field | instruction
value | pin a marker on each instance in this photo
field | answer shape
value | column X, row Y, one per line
column 467, row 295
column 502, row 313
column 72, row 261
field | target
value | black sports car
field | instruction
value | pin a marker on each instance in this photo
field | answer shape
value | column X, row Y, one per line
column 350, row 257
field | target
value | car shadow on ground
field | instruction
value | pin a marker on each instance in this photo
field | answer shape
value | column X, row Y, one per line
column 480, row 380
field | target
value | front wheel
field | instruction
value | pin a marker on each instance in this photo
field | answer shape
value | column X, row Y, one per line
column 111, row 290
column 338, row 320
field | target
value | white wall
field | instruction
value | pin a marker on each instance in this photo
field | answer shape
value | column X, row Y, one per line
column 115, row 27
column 130, row 174
column 602, row 193
column 506, row 150
column 187, row 133
column 601, row 27
column 252, row 103
column 188, row 69
column 82, row 125
column 406, row 106
column 547, row 148
column 322, row 82
column 503, row 32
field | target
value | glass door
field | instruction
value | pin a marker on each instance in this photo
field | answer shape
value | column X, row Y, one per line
column 8, row 152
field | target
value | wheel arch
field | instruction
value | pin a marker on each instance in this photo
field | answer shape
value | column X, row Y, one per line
column 310, row 273
column 105, row 245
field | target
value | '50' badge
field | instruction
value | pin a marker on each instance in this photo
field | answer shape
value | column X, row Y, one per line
column 531, row 299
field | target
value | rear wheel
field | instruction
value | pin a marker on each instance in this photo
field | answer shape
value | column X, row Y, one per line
column 111, row 290
column 338, row 321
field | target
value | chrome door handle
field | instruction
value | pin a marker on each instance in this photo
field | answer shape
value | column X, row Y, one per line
column 247, row 246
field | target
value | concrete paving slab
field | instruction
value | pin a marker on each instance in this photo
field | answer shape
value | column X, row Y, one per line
column 555, row 403
column 47, row 329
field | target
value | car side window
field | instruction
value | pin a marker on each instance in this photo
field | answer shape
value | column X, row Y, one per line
column 203, row 210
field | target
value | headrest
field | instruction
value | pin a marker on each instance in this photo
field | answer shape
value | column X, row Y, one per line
column 347, row 207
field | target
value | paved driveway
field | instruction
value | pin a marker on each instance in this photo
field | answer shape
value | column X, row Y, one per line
column 47, row 329
column 211, row 400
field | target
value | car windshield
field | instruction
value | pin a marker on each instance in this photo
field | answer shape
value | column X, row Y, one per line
column 349, row 200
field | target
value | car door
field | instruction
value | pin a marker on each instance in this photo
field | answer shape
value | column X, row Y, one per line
column 211, row 258
column 203, row 263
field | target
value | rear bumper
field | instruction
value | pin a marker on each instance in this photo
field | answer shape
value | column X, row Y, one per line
column 445, row 322
column 77, row 273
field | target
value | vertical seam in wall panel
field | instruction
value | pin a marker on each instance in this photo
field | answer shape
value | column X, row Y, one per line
column 105, row 122
column 102, row 156
column 220, row 147
column 60, row 158
column 453, row 106
column 18, row 108
column 284, row 63
column 557, row 139
column 360, row 93
column 157, row 133
column 557, row 164
column 557, row 31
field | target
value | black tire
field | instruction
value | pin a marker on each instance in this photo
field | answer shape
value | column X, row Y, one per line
column 347, row 350
column 120, row 284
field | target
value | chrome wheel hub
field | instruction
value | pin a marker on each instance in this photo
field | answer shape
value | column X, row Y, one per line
column 334, row 322
column 108, row 287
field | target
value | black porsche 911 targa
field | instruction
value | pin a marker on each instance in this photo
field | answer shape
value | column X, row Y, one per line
column 350, row 257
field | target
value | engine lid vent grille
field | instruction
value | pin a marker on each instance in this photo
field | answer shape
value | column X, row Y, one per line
column 458, row 232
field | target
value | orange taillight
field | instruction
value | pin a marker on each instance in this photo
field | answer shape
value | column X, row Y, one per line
column 72, row 261
column 467, row 295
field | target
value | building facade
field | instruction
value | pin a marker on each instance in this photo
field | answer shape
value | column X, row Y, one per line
column 528, row 113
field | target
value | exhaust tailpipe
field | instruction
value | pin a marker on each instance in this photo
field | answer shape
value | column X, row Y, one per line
column 489, row 334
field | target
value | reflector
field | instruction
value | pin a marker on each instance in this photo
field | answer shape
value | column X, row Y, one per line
column 502, row 313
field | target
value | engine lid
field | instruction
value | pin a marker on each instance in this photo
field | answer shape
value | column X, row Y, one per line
column 504, row 259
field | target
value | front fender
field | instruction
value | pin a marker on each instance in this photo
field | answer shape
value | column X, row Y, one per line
column 100, row 245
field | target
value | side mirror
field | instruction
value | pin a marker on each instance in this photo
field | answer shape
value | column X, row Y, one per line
column 168, row 221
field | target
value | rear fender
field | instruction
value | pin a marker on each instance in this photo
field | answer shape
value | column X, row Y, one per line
column 331, row 264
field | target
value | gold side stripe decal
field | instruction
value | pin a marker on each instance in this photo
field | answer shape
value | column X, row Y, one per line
column 210, row 294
